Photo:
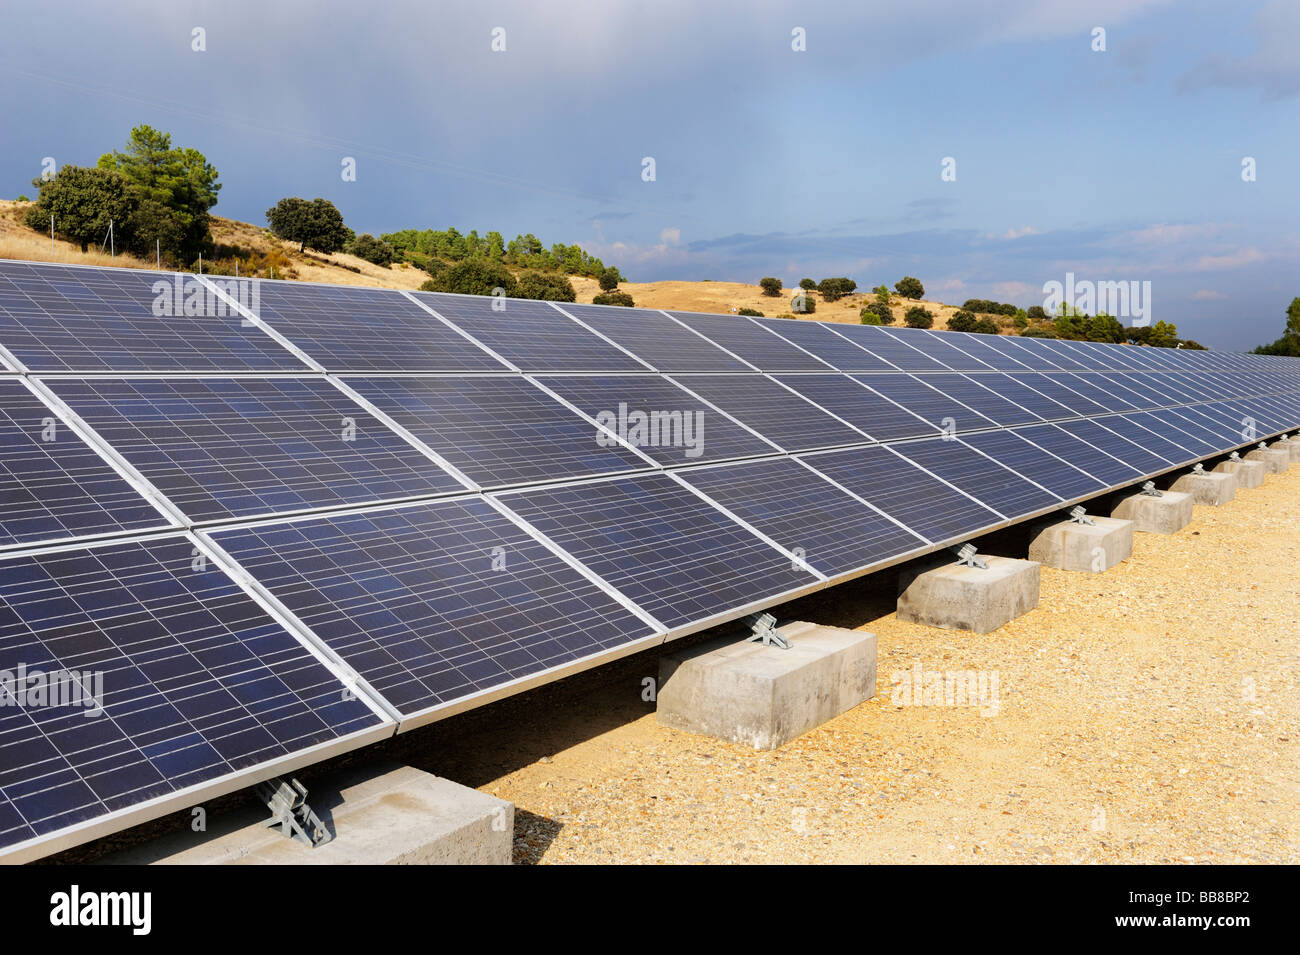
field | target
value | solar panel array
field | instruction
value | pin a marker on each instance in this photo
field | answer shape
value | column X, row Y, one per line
column 253, row 524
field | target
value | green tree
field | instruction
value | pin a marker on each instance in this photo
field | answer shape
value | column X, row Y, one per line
column 475, row 277
column 613, row 298
column 962, row 320
column 918, row 317
column 807, row 284
column 609, row 280
column 770, row 286
column 546, row 287
column 883, row 313
column 366, row 246
column 803, row 303
column 985, row 326
column 180, row 180
column 316, row 224
column 909, row 287
column 882, row 294
column 83, row 202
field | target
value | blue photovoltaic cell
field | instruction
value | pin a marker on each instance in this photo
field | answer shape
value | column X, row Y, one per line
column 952, row 349
column 932, row 404
column 859, row 406
column 1098, row 388
column 236, row 447
column 979, row 476
column 1056, row 388
column 198, row 682
column 57, row 318
column 895, row 350
column 989, row 349
column 532, row 335
column 1014, row 390
column 978, row 392
column 820, row 339
column 752, row 342
column 362, row 329
column 834, row 532
column 662, row 420
column 60, row 488
column 905, row 492
column 1075, row 356
column 1032, row 352
column 1143, row 432
column 1016, row 452
column 434, row 602
column 1133, row 454
column 498, row 431
column 1188, row 430
column 677, row 557
column 1224, row 422
column 774, row 412
column 1080, row 453
column 1133, row 389
column 656, row 339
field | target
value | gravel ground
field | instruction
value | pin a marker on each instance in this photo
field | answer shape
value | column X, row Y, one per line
column 1148, row 714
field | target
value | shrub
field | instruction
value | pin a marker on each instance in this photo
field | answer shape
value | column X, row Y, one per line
column 985, row 326
column 868, row 317
column 608, row 281
column 1038, row 332
column 546, row 287
column 613, row 298
column 366, row 246
column 803, row 304
column 834, row 289
column 316, row 224
column 1022, row 318
column 475, row 277
column 962, row 320
column 909, row 287
column 807, row 284
column 752, row 312
column 770, row 286
column 881, row 311
column 918, row 317
column 882, row 294
column 1036, row 312
column 23, row 198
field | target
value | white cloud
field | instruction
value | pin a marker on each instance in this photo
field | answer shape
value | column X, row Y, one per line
column 1207, row 295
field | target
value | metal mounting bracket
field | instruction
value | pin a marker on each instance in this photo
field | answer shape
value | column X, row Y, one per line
column 765, row 632
column 1150, row 490
column 968, row 555
column 1263, row 445
column 287, row 800
column 1080, row 516
column 1199, row 469
column 1234, row 456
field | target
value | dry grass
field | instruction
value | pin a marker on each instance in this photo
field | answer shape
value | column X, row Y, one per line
column 19, row 242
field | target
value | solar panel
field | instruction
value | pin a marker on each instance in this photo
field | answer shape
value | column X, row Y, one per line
column 1013, row 450
column 1142, row 432
column 935, row 406
column 531, row 335
column 220, row 448
column 172, row 677
column 978, row 475
column 831, row 530
column 776, row 413
column 1097, row 389
column 498, row 430
column 892, row 349
column 656, row 339
column 59, row 318
column 674, row 555
column 662, row 420
column 1131, row 453
column 861, row 407
column 360, row 330
column 952, row 349
column 53, row 486
column 898, row 487
column 989, row 349
column 1016, row 391
column 821, row 340
column 1033, row 352
column 1195, row 431
column 752, row 342
column 977, row 392
column 1087, row 457
column 434, row 603
column 1056, row 388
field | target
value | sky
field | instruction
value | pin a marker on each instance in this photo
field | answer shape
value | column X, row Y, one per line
column 1115, row 164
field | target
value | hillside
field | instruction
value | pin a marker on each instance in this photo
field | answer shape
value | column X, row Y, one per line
column 19, row 242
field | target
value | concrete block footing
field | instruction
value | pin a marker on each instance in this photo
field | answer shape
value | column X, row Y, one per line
column 1091, row 548
column 1291, row 447
column 958, row 597
column 1167, row 514
column 1249, row 474
column 1208, row 487
column 1275, row 460
column 385, row 815
column 764, row 696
